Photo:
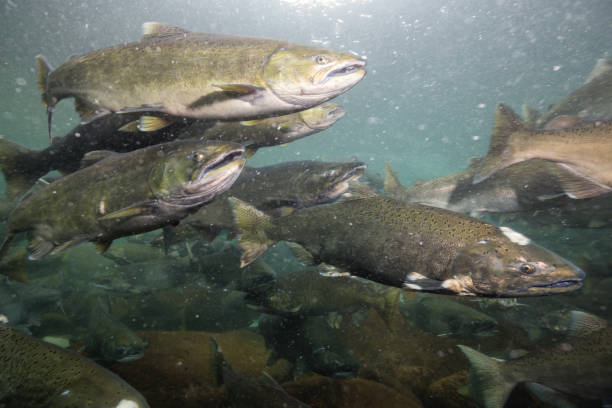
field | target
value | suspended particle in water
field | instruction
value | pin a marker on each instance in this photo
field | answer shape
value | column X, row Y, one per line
column 20, row 81
column 481, row 106
column 556, row 68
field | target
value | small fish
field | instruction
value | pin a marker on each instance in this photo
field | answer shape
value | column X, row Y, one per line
column 580, row 367
column 412, row 246
column 444, row 317
column 582, row 154
column 248, row 393
column 592, row 101
column 242, row 78
column 37, row 374
column 309, row 293
column 279, row 130
column 524, row 186
column 124, row 194
column 22, row 166
column 289, row 185
column 110, row 340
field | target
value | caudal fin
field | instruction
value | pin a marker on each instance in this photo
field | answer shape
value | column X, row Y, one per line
column 20, row 167
column 487, row 383
column 44, row 69
column 392, row 184
column 251, row 224
column 500, row 155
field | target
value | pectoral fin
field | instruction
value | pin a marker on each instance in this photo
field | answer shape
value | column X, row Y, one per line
column 128, row 212
column 102, row 246
column 416, row 281
column 152, row 123
column 228, row 91
column 38, row 247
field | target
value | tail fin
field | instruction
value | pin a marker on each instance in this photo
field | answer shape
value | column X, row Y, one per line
column 499, row 156
column 488, row 385
column 44, row 69
column 20, row 167
column 392, row 183
column 251, row 224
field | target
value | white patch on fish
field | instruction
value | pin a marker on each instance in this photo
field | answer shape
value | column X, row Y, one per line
column 127, row 404
column 102, row 208
column 414, row 276
column 515, row 236
column 412, row 286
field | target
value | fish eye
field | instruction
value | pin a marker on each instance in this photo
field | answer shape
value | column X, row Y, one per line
column 527, row 268
column 196, row 156
column 321, row 59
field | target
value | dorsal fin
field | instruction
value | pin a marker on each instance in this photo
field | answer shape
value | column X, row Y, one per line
column 153, row 29
column 392, row 183
column 506, row 123
column 602, row 67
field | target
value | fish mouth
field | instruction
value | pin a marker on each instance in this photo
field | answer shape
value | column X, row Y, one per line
column 341, row 185
column 346, row 68
column 131, row 357
column 219, row 163
column 215, row 177
column 561, row 286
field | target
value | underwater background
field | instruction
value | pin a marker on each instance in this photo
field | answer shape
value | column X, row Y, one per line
column 436, row 71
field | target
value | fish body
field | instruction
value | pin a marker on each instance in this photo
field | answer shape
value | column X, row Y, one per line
column 412, row 246
column 110, row 340
column 37, row 374
column 274, row 131
column 592, row 101
column 20, row 303
column 297, row 184
column 125, row 194
column 580, row 367
column 245, row 392
column 524, row 186
column 22, row 166
column 197, row 75
column 583, row 153
column 310, row 292
column 444, row 317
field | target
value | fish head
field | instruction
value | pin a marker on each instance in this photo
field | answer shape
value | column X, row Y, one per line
column 325, row 182
column 271, row 299
column 194, row 174
column 501, row 267
column 306, row 76
column 123, row 347
column 322, row 116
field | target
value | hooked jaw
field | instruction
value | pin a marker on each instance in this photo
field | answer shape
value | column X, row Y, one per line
column 569, row 278
column 340, row 186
